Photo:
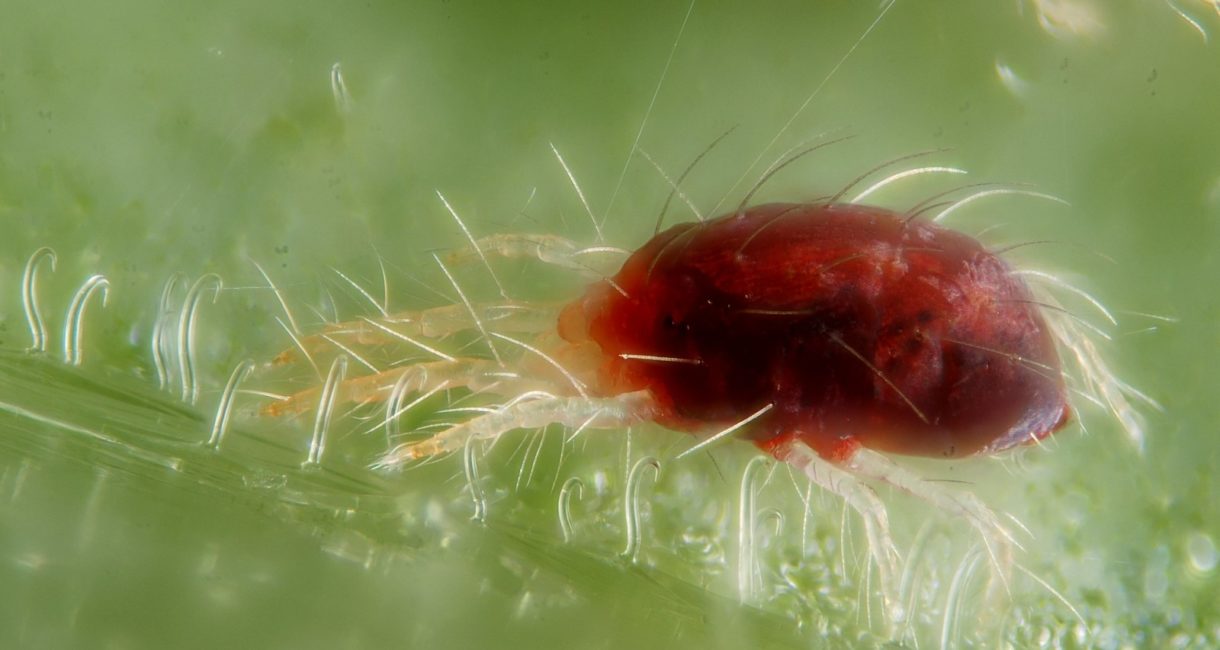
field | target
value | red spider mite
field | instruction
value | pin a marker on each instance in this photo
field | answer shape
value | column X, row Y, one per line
column 852, row 325
column 823, row 332
column 836, row 325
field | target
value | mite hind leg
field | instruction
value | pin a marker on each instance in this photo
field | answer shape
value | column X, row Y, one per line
column 997, row 541
column 861, row 498
column 529, row 413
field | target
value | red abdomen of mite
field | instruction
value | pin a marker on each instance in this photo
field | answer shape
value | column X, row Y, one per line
column 851, row 325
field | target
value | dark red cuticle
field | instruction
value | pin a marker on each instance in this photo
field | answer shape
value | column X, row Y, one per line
column 859, row 326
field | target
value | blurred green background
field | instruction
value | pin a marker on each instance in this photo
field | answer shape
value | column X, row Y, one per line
column 143, row 139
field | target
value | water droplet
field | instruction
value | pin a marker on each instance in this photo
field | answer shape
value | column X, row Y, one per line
column 1201, row 551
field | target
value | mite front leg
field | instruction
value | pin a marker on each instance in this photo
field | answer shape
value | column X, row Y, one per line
column 588, row 412
column 406, row 328
column 549, row 249
column 475, row 374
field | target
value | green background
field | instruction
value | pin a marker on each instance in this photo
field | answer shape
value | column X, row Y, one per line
column 142, row 139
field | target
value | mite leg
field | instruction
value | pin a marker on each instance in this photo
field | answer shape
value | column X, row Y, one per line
column 550, row 249
column 527, row 317
column 431, row 323
column 998, row 543
column 861, row 498
column 475, row 374
column 589, row 412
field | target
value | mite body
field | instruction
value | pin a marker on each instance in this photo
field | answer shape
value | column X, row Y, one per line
column 851, row 325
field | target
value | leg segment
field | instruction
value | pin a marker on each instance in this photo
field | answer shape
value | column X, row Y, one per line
column 427, row 323
column 474, row 374
column 600, row 413
column 861, row 498
column 549, row 249
column 998, row 543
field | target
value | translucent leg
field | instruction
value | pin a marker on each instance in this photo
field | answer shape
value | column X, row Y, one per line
column 474, row 374
column 861, row 498
column 585, row 412
column 997, row 541
column 427, row 323
column 504, row 317
column 546, row 248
